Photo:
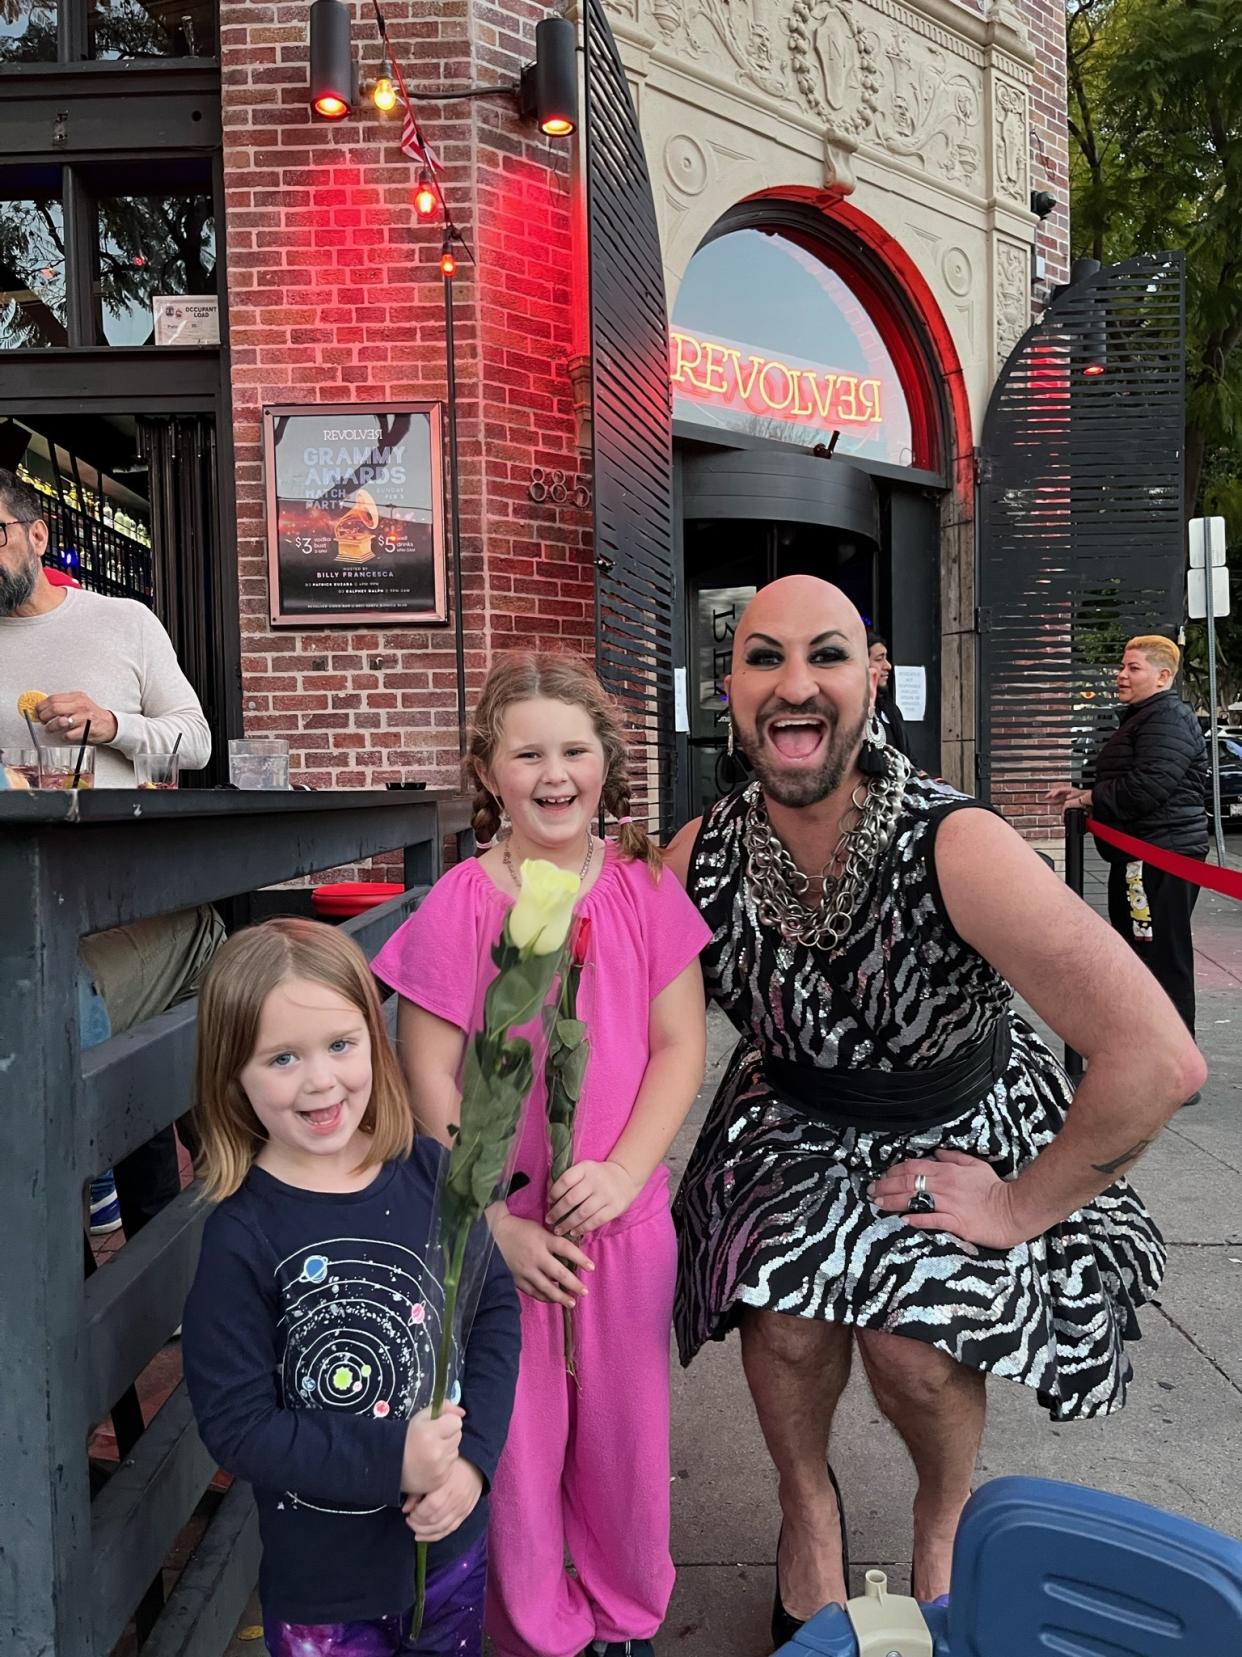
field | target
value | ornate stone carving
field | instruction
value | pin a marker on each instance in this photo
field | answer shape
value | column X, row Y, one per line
column 956, row 269
column 1011, row 141
column 887, row 86
column 1013, row 296
column 685, row 162
column 702, row 28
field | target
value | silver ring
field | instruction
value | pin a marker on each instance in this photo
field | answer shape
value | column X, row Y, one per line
column 920, row 1183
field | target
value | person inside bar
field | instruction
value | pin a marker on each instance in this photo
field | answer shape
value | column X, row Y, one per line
column 109, row 661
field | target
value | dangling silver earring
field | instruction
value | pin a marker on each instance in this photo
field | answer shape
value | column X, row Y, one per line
column 871, row 761
column 729, row 741
column 505, row 825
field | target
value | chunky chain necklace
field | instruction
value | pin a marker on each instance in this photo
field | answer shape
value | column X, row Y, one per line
column 516, row 878
column 778, row 885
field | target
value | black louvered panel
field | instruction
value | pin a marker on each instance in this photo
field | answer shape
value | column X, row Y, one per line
column 632, row 424
column 1081, row 521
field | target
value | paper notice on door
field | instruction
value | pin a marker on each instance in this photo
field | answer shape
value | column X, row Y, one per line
column 910, row 691
column 681, row 705
column 181, row 321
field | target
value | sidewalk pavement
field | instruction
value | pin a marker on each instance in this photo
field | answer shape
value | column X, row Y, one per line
column 1175, row 1444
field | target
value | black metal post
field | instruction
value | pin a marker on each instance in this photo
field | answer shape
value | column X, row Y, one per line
column 459, row 625
column 1075, row 840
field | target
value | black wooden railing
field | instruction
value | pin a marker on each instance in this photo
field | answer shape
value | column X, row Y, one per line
column 75, row 1571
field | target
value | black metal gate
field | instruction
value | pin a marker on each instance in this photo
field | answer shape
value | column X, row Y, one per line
column 190, row 591
column 632, row 427
column 1081, row 519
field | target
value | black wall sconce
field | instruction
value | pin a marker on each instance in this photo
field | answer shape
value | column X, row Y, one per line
column 548, row 93
column 333, row 73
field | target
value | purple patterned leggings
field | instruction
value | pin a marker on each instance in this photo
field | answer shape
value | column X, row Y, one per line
column 452, row 1621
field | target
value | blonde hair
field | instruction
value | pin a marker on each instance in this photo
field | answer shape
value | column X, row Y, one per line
column 242, row 975
column 524, row 676
column 1160, row 652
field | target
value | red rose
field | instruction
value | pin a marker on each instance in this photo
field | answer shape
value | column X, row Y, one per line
column 582, row 940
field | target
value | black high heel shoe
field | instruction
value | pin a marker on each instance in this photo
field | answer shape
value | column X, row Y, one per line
column 784, row 1626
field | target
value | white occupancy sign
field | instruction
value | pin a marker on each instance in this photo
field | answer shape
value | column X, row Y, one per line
column 186, row 321
column 681, row 705
column 910, row 691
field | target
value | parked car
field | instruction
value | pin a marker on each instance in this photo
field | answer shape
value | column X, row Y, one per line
column 1230, row 759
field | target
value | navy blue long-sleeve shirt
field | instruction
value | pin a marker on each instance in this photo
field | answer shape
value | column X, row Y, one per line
column 310, row 1338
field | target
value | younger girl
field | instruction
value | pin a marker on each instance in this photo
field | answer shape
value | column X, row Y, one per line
column 311, row 1330
column 586, row 1468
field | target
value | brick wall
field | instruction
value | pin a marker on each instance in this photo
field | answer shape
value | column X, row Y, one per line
column 1045, row 23
column 335, row 296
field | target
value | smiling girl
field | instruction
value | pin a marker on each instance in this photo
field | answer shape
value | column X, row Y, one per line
column 586, row 1468
column 311, row 1330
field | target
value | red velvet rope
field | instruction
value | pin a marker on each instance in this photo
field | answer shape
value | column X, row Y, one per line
column 1226, row 881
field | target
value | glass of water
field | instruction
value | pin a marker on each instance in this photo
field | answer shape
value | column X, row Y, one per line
column 259, row 762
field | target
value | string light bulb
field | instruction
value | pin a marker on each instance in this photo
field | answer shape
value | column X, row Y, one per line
column 425, row 199
column 448, row 263
column 384, row 94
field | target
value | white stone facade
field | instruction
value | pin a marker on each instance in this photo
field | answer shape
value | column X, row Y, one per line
column 917, row 111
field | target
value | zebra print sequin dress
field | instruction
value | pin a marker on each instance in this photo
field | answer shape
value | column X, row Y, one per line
column 773, row 1210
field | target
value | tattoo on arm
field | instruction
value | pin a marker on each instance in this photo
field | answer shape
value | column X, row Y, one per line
column 1118, row 1162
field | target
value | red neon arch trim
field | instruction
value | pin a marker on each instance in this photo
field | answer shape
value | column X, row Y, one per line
column 894, row 329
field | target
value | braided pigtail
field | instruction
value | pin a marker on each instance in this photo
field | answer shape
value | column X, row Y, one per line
column 633, row 841
column 485, row 818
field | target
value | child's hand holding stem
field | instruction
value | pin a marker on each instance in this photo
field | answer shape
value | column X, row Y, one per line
column 430, row 1449
column 437, row 1515
column 542, row 1265
column 590, row 1194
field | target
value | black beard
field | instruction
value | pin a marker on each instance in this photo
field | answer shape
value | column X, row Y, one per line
column 800, row 788
column 16, row 586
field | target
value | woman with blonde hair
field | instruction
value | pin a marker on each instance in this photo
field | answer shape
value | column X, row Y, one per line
column 1151, row 779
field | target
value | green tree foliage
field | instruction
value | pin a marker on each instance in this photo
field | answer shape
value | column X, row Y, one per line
column 1155, row 118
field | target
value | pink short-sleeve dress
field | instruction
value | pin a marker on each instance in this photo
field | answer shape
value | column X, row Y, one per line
column 644, row 933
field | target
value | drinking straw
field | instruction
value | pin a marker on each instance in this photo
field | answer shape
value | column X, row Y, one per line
column 77, row 770
column 31, row 729
column 177, row 743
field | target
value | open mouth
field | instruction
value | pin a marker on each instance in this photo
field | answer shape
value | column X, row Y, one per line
column 556, row 803
column 796, row 737
column 326, row 1119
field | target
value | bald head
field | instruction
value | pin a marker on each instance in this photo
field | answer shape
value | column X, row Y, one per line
column 801, row 608
column 801, row 688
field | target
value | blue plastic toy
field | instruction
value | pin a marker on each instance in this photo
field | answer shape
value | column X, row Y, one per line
column 1042, row 1568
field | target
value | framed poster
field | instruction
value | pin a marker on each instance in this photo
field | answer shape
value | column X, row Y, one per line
column 355, row 513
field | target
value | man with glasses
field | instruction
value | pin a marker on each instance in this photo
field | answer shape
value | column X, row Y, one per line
column 56, row 638
column 59, row 638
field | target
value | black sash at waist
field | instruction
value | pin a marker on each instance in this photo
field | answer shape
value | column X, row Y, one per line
column 894, row 1101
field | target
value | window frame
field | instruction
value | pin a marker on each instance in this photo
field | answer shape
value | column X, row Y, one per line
column 84, row 320
column 73, row 46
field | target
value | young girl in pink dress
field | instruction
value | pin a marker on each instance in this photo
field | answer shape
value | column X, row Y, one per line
column 586, row 1466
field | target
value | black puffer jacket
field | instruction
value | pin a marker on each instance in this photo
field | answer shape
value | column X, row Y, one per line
column 1151, row 776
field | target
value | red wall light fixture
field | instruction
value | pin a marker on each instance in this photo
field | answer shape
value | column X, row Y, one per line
column 548, row 93
column 333, row 75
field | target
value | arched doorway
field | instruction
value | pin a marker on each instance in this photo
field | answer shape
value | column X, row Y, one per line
column 814, row 428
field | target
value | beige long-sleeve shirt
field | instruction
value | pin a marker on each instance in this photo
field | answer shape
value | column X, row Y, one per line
column 115, row 651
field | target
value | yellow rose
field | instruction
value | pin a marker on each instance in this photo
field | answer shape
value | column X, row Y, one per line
column 539, row 920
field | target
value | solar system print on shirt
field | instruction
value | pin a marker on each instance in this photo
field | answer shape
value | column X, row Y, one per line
column 359, row 1329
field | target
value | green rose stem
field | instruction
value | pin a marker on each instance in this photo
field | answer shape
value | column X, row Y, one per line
column 496, row 1079
column 566, row 1069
